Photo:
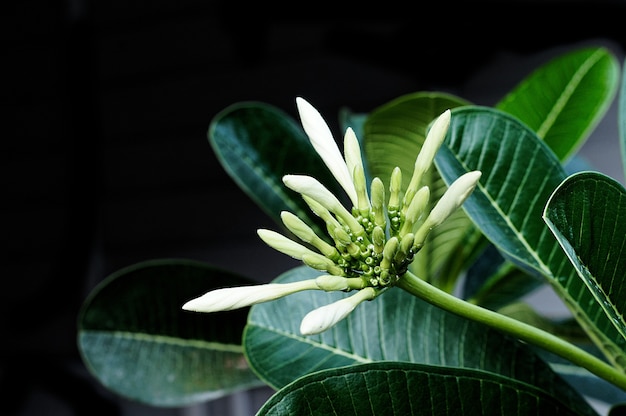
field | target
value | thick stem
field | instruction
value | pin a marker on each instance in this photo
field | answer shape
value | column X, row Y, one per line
column 520, row 330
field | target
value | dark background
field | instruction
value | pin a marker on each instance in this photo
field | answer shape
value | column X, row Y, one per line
column 106, row 108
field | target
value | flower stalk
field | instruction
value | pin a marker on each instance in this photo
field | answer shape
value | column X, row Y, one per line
column 525, row 332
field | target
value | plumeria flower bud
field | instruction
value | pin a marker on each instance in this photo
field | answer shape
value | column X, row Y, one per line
column 321, row 263
column 424, row 160
column 321, row 319
column 378, row 239
column 354, row 162
column 361, row 190
column 312, row 188
column 323, row 213
column 415, row 209
column 324, row 144
column 301, row 230
column 378, row 202
column 451, row 200
column 239, row 297
column 395, row 187
column 283, row 244
column 331, row 283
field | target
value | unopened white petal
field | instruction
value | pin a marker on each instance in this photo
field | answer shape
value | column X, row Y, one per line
column 324, row 144
column 451, row 200
column 311, row 187
column 433, row 141
column 283, row 244
column 321, row 319
column 454, row 197
column 239, row 297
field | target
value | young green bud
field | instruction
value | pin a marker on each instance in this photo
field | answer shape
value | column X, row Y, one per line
column 301, row 230
column 395, row 187
column 378, row 202
column 283, row 244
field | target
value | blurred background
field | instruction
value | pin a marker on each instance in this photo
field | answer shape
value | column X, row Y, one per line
column 107, row 106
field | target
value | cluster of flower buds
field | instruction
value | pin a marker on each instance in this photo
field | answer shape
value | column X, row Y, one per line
column 373, row 243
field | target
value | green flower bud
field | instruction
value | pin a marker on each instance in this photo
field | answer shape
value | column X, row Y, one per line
column 283, row 244
column 319, row 262
column 395, row 187
column 415, row 209
column 378, row 239
column 378, row 202
column 301, row 230
column 389, row 252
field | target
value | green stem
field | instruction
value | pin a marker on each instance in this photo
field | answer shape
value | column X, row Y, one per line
column 520, row 330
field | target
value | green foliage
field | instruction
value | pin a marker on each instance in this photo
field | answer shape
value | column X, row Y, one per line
column 138, row 342
column 526, row 224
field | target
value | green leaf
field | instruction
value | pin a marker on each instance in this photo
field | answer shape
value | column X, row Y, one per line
column 587, row 214
column 393, row 136
column 519, row 173
column 396, row 326
column 137, row 341
column 399, row 389
column 257, row 145
column 621, row 119
column 565, row 99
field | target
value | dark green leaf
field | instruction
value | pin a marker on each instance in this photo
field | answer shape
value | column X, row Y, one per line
column 399, row 389
column 563, row 100
column 587, row 214
column 621, row 117
column 257, row 145
column 519, row 173
column 138, row 342
column 394, row 327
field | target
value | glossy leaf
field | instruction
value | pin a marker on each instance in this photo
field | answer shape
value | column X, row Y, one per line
column 519, row 174
column 587, row 214
column 621, row 119
column 257, row 145
column 393, row 136
column 399, row 389
column 563, row 100
column 396, row 326
column 138, row 342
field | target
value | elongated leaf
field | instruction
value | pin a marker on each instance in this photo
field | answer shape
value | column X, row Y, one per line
column 393, row 136
column 137, row 341
column 394, row 327
column 565, row 99
column 257, row 145
column 519, row 174
column 399, row 389
column 621, row 118
column 587, row 214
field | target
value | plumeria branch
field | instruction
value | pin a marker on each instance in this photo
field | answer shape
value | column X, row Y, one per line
column 373, row 242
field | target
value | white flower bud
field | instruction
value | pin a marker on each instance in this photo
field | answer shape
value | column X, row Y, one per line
column 312, row 188
column 451, row 200
column 301, row 230
column 424, row 160
column 230, row 298
column 324, row 144
column 283, row 244
column 321, row 319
